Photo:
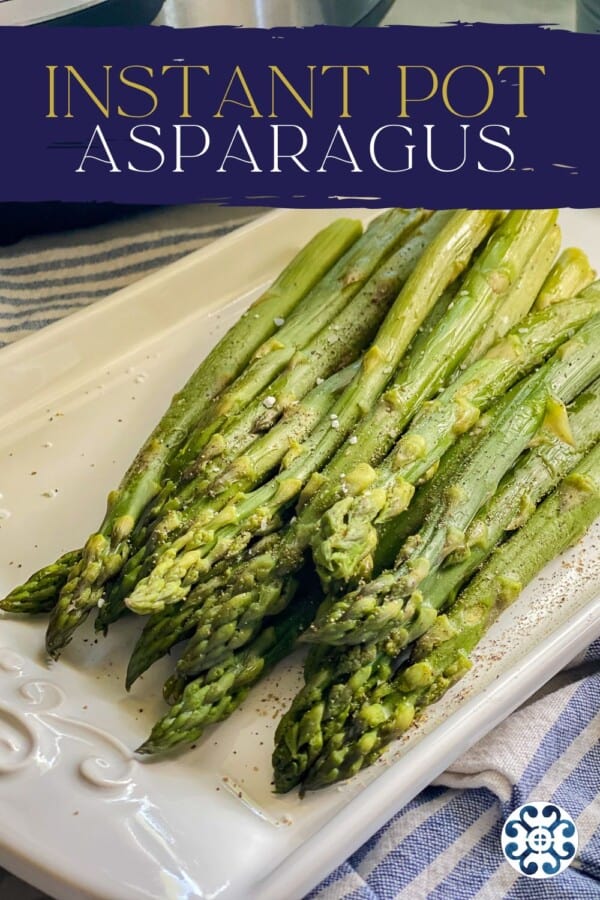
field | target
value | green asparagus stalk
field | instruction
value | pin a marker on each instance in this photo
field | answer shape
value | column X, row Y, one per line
column 339, row 679
column 542, row 255
column 228, row 620
column 393, row 534
column 107, row 550
column 218, row 692
column 519, row 493
column 318, row 310
column 229, row 457
column 176, row 623
column 346, row 541
column 569, row 277
column 263, row 456
column 136, row 566
column 181, row 565
column 441, row 657
column 338, row 343
column 393, row 599
column 40, row 592
column 167, row 627
column 296, row 424
column 331, row 330
column 521, row 297
column 222, row 365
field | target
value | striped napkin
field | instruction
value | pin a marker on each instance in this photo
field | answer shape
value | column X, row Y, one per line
column 445, row 845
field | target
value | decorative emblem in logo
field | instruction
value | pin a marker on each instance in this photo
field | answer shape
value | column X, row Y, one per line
column 539, row 840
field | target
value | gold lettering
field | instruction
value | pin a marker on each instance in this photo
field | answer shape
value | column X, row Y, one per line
column 104, row 107
column 345, row 114
column 521, row 114
column 185, row 100
column 309, row 108
column 446, row 98
column 238, row 76
column 142, row 88
column 52, row 92
column 405, row 99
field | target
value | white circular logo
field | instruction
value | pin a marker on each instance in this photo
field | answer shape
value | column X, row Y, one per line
column 539, row 840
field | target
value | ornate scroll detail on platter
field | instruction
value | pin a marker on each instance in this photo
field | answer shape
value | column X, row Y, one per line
column 33, row 729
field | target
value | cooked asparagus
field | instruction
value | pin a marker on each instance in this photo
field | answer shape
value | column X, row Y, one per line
column 441, row 657
column 327, row 282
column 185, row 561
column 218, row 692
column 264, row 455
column 393, row 600
column 40, row 592
column 318, row 309
column 346, row 541
column 234, row 617
column 339, row 678
column 229, row 457
column 570, row 276
column 521, row 297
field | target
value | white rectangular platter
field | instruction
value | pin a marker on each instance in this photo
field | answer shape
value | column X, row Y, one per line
column 80, row 817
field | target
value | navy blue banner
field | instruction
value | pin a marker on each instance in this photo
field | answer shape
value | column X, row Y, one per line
column 465, row 115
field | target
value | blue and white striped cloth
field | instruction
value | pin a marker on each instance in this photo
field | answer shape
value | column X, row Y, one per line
column 445, row 845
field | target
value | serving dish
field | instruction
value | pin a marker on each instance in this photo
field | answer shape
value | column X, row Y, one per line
column 81, row 816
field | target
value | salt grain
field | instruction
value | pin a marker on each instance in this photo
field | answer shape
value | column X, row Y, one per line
column 269, row 402
column 278, row 321
column 353, row 439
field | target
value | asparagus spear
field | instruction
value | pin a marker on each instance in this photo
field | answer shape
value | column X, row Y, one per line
column 260, row 459
column 220, row 367
column 160, row 634
column 176, row 623
column 570, row 276
column 345, row 543
column 136, row 565
column 218, row 692
column 318, row 310
column 231, row 618
column 183, row 562
column 520, row 298
column 40, row 592
column 441, row 657
column 107, row 550
column 229, row 455
column 338, row 679
column 519, row 493
column 340, row 341
column 393, row 533
column 393, row 600
column 165, row 628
